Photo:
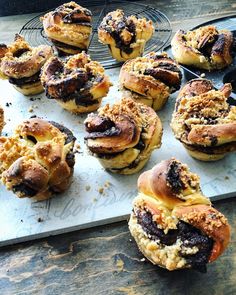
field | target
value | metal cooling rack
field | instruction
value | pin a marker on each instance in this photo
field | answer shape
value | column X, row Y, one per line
column 34, row 33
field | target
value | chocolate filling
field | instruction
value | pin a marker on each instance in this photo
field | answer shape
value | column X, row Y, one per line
column 223, row 148
column 116, row 31
column 20, row 52
column 25, row 189
column 25, row 81
column 64, row 45
column 188, row 234
column 173, row 177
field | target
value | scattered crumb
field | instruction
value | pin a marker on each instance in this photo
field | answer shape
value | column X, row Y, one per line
column 35, row 98
column 101, row 190
column 107, row 184
column 8, row 104
column 87, row 187
column 95, row 200
column 21, row 220
column 120, row 264
column 40, row 219
column 78, row 146
column 30, row 109
column 79, row 122
column 130, row 240
column 226, row 177
column 203, row 75
column 143, row 259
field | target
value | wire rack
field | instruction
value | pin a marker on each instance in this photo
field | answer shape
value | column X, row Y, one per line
column 34, row 33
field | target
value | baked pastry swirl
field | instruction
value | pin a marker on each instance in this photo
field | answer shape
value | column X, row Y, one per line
column 38, row 160
column 125, row 36
column 203, row 120
column 173, row 223
column 150, row 79
column 2, row 123
column 21, row 65
column 78, row 84
column 123, row 136
column 205, row 48
column 68, row 27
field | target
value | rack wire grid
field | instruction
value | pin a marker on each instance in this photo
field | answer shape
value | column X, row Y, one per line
column 34, row 33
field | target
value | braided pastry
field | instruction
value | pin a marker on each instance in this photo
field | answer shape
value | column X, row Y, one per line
column 123, row 136
column 203, row 120
column 205, row 48
column 150, row 79
column 78, row 84
column 21, row 65
column 68, row 27
column 173, row 223
column 38, row 160
column 126, row 37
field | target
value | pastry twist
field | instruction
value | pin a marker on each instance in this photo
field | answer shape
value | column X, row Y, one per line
column 205, row 48
column 203, row 120
column 78, row 84
column 150, row 79
column 125, row 36
column 123, row 136
column 38, row 160
column 21, row 65
column 68, row 27
column 173, row 223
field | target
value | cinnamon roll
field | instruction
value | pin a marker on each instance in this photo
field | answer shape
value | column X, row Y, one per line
column 123, row 136
column 21, row 65
column 205, row 48
column 173, row 223
column 126, row 37
column 150, row 79
column 38, row 160
column 204, row 121
column 77, row 84
column 68, row 27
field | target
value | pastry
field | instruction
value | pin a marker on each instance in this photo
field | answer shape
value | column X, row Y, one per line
column 125, row 36
column 2, row 123
column 204, row 48
column 173, row 223
column 77, row 84
column 68, row 27
column 150, row 79
column 123, row 136
column 204, row 121
column 21, row 65
column 38, row 160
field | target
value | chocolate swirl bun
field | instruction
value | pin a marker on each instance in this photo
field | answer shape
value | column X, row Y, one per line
column 150, row 79
column 78, row 84
column 68, row 27
column 123, row 136
column 125, row 36
column 173, row 223
column 21, row 65
column 203, row 120
column 38, row 160
column 205, row 48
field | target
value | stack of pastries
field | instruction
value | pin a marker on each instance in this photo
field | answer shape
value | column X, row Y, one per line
column 173, row 223
column 21, row 65
column 125, row 36
column 204, row 121
column 123, row 136
column 68, row 27
column 150, row 79
column 38, row 160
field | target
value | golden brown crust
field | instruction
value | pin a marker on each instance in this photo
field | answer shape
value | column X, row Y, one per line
column 2, row 123
column 34, row 161
column 123, row 136
column 203, row 120
column 152, row 77
column 68, row 24
column 78, row 84
column 171, row 195
column 125, row 36
column 205, row 48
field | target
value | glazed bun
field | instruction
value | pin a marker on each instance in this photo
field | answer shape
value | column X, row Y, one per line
column 68, row 27
column 173, row 223
column 204, row 121
column 204, row 48
column 125, row 36
column 38, row 160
